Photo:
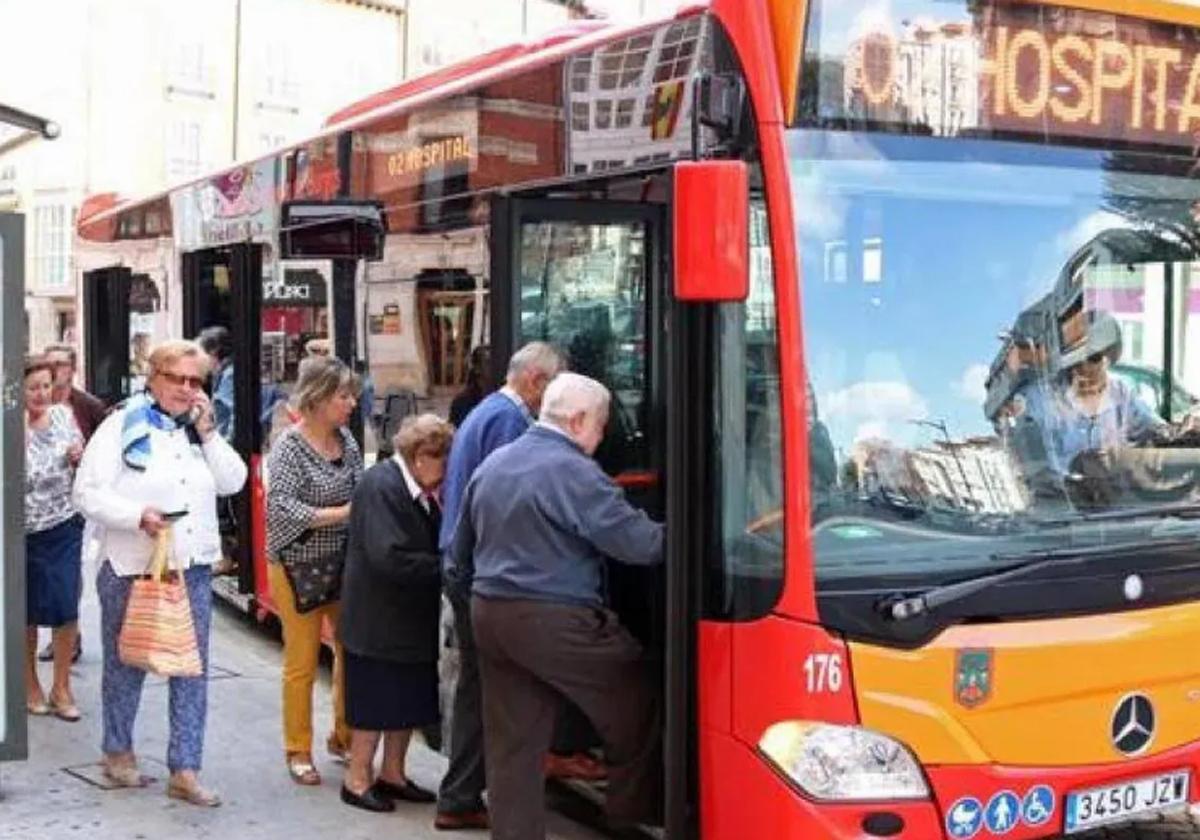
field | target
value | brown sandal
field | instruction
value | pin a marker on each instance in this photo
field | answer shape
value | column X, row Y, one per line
column 302, row 771
column 193, row 793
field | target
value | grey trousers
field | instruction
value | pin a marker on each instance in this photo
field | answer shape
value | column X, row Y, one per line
column 533, row 653
column 462, row 786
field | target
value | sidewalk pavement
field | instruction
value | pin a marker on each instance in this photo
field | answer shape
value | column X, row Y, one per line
column 57, row 793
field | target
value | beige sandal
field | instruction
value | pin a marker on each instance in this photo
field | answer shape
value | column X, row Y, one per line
column 67, row 711
column 125, row 775
column 302, row 771
column 193, row 793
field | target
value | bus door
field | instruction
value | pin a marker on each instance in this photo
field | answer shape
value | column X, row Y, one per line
column 587, row 276
column 106, row 332
column 223, row 287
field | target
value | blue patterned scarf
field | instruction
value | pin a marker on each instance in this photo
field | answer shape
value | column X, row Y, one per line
column 141, row 415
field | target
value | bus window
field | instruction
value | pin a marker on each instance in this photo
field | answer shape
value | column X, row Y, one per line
column 583, row 288
column 749, row 455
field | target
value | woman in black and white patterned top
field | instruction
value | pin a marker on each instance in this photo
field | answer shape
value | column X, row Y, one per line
column 311, row 473
column 53, row 538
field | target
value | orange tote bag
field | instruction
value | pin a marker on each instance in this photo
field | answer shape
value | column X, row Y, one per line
column 158, row 634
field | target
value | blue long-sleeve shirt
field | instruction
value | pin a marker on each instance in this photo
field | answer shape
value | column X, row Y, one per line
column 497, row 420
column 539, row 518
column 222, row 401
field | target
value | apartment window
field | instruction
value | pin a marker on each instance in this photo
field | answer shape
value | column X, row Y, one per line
column 625, row 113
column 604, row 109
column 677, row 52
column 187, row 70
column 184, row 159
column 50, row 256
column 269, row 141
column 581, row 115
column 581, row 73
column 280, row 84
column 648, row 109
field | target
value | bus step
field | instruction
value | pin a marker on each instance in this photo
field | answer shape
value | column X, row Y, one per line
column 584, row 802
column 225, row 587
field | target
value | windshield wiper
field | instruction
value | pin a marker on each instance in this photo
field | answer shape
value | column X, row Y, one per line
column 1182, row 510
column 903, row 608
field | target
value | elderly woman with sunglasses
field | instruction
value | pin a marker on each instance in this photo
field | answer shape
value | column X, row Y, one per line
column 157, row 460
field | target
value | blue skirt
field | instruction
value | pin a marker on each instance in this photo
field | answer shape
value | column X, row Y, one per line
column 383, row 696
column 54, row 574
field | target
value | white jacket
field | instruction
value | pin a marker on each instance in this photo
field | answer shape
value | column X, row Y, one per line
column 180, row 476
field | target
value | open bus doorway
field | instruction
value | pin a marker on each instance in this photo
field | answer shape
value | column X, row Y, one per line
column 222, row 287
column 590, row 276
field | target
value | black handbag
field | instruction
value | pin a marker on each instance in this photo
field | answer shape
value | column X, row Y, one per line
column 313, row 565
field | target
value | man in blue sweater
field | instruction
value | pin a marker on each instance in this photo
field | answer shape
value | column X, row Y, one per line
column 500, row 418
column 538, row 521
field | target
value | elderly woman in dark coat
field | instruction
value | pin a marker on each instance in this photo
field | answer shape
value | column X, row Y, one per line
column 391, row 596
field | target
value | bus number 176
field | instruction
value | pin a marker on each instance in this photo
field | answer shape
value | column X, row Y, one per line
column 823, row 672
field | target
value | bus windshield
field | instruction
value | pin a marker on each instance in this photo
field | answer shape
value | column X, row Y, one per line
column 1001, row 343
column 997, row 211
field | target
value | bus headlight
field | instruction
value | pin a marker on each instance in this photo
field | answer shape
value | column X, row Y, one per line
column 843, row 762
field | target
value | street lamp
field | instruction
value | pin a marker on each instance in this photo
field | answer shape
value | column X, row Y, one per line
column 940, row 425
column 34, row 127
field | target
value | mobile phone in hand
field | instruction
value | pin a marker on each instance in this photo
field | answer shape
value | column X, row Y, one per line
column 174, row 515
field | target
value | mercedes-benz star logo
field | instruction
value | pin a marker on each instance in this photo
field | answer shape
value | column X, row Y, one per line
column 1132, row 726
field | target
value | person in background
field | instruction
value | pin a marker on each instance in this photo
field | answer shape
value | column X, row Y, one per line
column 53, row 539
column 139, row 355
column 539, row 520
column 158, row 456
column 316, row 347
column 479, row 385
column 89, row 413
column 367, row 402
column 218, row 344
column 500, row 418
column 391, row 603
column 312, row 470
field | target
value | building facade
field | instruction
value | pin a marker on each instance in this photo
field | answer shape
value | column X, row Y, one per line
column 152, row 93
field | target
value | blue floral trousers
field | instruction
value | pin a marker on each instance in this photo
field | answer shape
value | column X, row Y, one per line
column 121, row 685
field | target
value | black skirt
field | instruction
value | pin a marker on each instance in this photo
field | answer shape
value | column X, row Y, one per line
column 382, row 696
column 53, row 574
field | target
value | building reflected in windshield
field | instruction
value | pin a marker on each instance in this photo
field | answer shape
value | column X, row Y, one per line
column 973, row 475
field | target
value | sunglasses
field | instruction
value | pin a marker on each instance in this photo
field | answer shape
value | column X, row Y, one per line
column 195, row 382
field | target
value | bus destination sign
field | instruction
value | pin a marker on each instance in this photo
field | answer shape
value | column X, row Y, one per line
column 1022, row 68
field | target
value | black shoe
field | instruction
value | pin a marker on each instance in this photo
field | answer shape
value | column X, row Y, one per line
column 408, row 792
column 368, row 800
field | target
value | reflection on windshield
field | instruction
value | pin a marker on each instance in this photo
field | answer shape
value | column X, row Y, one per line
column 994, row 342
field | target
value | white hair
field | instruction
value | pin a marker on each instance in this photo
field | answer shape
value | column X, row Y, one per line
column 538, row 356
column 569, row 394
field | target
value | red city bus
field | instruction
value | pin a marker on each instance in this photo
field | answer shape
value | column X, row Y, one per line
column 932, row 565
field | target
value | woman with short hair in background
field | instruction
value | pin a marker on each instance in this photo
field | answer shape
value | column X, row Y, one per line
column 53, row 539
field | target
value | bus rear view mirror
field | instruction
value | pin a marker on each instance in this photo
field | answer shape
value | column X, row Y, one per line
column 711, row 233
column 332, row 230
